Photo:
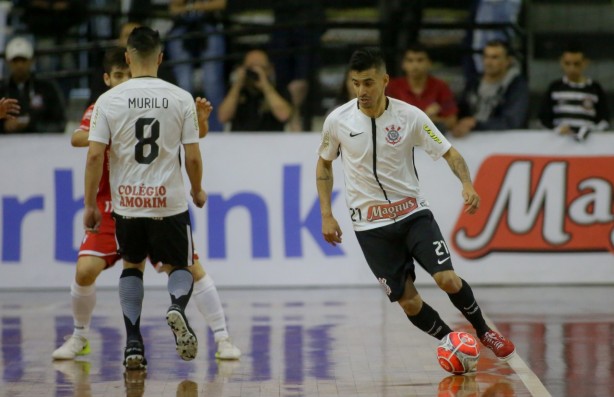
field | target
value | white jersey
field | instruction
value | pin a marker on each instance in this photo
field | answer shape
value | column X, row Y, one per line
column 381, row 184
column 146, row 120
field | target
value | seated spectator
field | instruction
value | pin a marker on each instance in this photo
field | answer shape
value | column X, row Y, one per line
column 419, row 88
column 499, row 100
column 575, row 104
column 202, row 21
column 42, row 105
column 253, row 102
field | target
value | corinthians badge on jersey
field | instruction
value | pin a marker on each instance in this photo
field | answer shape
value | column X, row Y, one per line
column 392, row 134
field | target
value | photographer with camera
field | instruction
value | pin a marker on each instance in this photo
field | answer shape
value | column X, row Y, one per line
column 253, row 102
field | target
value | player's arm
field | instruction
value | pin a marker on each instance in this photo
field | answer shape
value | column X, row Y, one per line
column 80, row 138
column 93, row 173
column 194, row 169
column 203, row 111
column 324, row 182
column 459, row 168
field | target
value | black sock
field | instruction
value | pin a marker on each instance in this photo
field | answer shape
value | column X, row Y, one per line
column 131, row 299
column 466, row 303
column 180, row 285
column 428, row 320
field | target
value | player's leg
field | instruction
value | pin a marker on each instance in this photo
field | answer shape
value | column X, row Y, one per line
column 385, row 252
column 170, row 244
column 131, row 292
column 423, row 316
column 131, row 236
column 429, row 248
column 83, row 293
column 208, row 302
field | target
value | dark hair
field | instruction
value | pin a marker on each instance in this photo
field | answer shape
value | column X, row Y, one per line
column 144, row 40
column 367, row 58
column 417, row 47
column 574, row 48
column 114, row 56
column 500, row 43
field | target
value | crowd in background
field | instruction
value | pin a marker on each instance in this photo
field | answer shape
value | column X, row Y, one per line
column 273, row 86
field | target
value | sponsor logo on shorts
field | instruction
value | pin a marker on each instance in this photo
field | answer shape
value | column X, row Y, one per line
column 540, row 204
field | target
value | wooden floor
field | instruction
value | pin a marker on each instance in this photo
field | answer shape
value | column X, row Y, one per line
column 316, row 342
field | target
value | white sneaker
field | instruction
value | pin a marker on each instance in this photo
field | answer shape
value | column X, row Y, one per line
column 227, row 351
column 74, row 346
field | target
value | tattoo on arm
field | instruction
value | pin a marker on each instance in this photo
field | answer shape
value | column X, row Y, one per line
column 460, row 169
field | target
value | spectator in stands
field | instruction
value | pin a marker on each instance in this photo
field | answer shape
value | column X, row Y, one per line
column 97, row 86
column 294, row 49
column 254, row 103
column 202, row 21
column 499, row 100
column 42, row 105
column 419, row 88
column 575, row 104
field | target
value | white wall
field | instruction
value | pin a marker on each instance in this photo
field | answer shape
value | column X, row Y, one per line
column 546, row 214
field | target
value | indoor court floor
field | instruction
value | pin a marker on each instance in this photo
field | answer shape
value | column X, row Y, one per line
column 328, row 342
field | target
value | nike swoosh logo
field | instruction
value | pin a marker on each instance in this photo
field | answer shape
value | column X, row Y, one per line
column 441, row 261
column 352, row 134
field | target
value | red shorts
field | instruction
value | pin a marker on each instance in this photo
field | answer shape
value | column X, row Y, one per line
column 102, row 244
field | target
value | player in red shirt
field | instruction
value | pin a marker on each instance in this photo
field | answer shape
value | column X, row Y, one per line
column 419, row 88
column 98, row 250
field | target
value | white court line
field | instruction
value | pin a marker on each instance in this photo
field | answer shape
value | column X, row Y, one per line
column 526, row 375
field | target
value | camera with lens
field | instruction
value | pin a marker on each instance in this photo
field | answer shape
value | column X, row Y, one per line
column 250, row 75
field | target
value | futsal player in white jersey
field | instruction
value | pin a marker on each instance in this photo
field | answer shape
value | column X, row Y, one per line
column 146, row 121
column 98, row 251
column 376, row 137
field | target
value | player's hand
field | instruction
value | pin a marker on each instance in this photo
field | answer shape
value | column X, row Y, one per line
column 471, row 197
column 91, row 219
column 9, row 108
column 331, row 230
column 203, row 108
column 199, row 199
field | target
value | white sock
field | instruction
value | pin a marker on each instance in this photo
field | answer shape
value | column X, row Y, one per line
column 208, row 303
column 83, row 303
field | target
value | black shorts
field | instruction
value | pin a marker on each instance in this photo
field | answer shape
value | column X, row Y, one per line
column 391, row 250
column 165, row 240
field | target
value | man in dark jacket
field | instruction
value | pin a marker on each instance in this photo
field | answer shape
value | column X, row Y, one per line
column 42, row 105
column 499, row 100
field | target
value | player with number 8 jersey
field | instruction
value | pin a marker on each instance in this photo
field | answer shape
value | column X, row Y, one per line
column 143, row 114
column 146, row 121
